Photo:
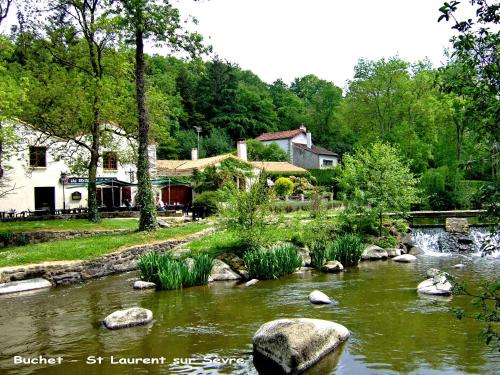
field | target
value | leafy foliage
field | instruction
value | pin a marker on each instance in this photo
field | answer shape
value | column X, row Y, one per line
column 283, row 187
column 207, row 200
column 486, row 302
column 376, row 180
column 347, row 249
column 273, row 263
column 246, row 212
column 258, row 151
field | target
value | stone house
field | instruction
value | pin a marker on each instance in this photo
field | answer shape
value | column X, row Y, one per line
column 298, row 145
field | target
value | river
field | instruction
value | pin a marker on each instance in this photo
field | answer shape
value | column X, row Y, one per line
column 394, row 330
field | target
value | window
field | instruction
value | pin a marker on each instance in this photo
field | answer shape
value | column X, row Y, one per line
column 109, row 160
column 327, row 163
column 38, row 156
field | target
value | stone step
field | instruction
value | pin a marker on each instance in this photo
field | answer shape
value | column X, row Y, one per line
column 24, row 285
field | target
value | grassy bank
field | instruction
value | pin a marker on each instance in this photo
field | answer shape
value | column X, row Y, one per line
column 227, row 242
column 88, row 248
column 73, row 224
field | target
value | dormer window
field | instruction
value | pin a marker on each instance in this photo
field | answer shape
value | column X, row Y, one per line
column 38, row 156
column 110, row 160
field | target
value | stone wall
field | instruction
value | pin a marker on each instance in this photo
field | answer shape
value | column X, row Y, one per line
column 18, row 238
column 68, row 272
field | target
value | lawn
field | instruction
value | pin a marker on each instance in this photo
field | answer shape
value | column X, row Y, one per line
column 68, row 224
column 90, row 247
column 224, row 242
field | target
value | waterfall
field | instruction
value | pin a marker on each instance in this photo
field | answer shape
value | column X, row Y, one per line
column 438, row 242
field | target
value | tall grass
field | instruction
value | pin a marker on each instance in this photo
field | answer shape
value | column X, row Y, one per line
column 347, row 249
column 317, row 249
column 272, row 263
column 170, row 273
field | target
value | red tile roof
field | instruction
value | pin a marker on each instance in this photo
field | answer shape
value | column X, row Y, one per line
column 279, row 135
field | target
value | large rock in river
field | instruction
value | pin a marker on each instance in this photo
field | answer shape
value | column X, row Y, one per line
column 293, row 345
column 438, row 285
column 393, row 252
column 140, row 284
column 373, row 252
column 134, row 316
column 24, row 285
column 222, row 272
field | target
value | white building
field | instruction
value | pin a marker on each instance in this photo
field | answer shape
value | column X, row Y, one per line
column 298, row 145
column 50, row 174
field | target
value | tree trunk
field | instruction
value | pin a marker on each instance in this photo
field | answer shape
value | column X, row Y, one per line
column 145, row 196
column 93, row 214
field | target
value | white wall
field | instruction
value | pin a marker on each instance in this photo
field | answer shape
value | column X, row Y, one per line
column 334, row 159
column 26, row 178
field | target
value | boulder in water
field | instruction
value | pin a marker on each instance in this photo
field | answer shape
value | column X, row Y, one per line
column 319, row 298
column 459, row 265
column 332, row 266
column 291, row 346
column 134, row 316
column 373, row 252
column 405, row 258
column 391, row 253
column 431, row 272
column 24, row 285
column 438, row 285
column 415, row 250
column 222, row 272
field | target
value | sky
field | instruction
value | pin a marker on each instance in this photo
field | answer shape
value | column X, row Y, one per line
column 291, row 38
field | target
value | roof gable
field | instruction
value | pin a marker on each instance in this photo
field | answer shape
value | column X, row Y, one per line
column 279, row 135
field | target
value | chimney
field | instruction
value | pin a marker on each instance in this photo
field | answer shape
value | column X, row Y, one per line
column 309, row 139
column 241, row 149
column 303, row 128
column 194, row 154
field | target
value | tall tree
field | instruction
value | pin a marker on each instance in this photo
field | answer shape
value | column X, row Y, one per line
column 161, row 22
column 76, row 34
column 4, row 9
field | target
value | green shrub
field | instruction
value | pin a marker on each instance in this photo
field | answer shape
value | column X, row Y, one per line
column 170, row 273
column 265, row 264
column 347, row 249
column 387, row 242
column 207, row 200
column 283, row 187
column 6, row 237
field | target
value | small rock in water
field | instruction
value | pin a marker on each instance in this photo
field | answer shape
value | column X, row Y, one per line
column 332, row 266
column 252, row 282
column 459, row 265
column 24, row 285
column 139, row 284
column 290, row 346
column 431, row 272
column 438, row 285
column 134, row 316
column 319, row 298
column 405, row 258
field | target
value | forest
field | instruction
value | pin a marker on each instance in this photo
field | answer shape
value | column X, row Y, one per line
column 444, row 121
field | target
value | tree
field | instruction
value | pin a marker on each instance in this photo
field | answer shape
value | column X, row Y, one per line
column 476, row 52
column 160, row 21
column 4, row 9
column 258, row 151
column 375, row 181
column 77, row 37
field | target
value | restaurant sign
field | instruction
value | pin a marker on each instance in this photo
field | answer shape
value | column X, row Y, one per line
column 85, row 180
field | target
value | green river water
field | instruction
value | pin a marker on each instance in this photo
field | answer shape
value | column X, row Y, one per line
column 394, row 330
